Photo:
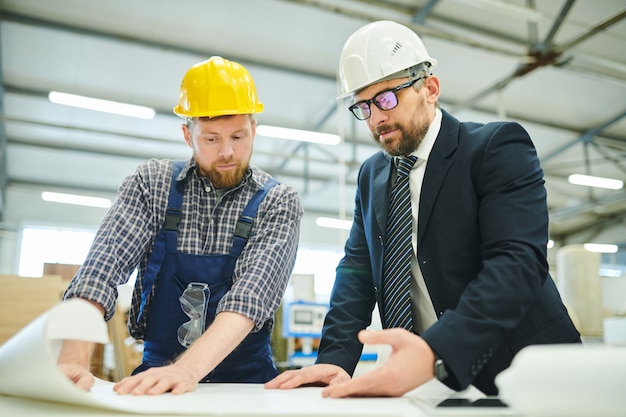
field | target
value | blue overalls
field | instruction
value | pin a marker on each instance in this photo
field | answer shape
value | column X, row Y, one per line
column 251, row 361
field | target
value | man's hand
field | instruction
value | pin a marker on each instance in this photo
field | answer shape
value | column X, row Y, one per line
column 222, row 337
column 74, row 360
column 321, row 374
column 410, row 364
column 154, row 381
column 78, row 374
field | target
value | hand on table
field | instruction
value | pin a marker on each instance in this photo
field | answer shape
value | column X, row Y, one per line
column 410, row 364
column 78, row 374
column 324, row 374
column 154, row 381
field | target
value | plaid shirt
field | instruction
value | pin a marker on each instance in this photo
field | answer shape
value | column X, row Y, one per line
column 125, row 239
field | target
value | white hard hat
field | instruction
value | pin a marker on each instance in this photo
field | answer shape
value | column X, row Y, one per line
column 377, row 51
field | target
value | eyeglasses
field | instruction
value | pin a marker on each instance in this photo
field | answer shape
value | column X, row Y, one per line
column 385, row 100
column 194, row 301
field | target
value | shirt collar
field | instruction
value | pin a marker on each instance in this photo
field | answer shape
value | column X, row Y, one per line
column 424, row 148
column 191, row 163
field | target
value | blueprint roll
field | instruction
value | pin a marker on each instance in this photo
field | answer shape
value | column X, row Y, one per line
column 566, row 380
column 580, row 285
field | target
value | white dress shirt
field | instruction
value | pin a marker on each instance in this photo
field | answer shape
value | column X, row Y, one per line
column 423, row 311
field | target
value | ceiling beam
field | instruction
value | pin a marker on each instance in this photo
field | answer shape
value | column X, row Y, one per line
column 585, row 137
column 544, row 54
column 558, row 22
column 95, row 32
column 374, row 14
column 595, row 227
column 128, row 153
column 424, row 12
column 20, row 18
column 600, row 26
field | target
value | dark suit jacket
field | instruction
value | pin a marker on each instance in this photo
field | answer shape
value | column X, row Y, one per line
column 482, row 242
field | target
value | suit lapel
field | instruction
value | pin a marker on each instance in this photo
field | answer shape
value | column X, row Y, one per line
column 439, row 162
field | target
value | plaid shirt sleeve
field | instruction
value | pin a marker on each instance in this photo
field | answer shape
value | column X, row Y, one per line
column 125, row 235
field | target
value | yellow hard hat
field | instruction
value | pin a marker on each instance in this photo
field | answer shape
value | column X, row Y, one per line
column 217, row 87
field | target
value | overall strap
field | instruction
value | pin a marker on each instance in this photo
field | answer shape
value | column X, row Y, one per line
column 167, row 237
column 244, row 224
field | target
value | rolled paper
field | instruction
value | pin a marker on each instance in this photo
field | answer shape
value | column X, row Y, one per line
column 566, row 380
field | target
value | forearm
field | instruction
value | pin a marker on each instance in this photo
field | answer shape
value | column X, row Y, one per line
column 220, row 339
column 78, row 352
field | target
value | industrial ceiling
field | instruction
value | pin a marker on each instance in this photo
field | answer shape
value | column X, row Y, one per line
column 556, row 67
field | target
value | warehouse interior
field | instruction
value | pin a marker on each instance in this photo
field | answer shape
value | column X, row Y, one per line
column 556, row 67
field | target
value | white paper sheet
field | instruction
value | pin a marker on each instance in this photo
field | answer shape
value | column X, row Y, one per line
column 28, row 369
column 28, row 360
column 566, row 380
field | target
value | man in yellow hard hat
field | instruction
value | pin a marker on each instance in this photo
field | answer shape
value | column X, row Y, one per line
column 449, row 236
column 214, row 241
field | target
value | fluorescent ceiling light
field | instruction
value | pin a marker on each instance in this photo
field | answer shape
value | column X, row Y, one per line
column 300, row 135
column 599, row 182
column 600, row 248
column 80, row 200
column 333, row 223
column 106, row 106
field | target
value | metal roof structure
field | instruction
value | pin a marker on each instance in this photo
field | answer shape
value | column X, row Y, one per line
column 557, row 67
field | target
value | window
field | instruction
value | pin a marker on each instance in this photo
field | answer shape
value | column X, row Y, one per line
column 320, row 263
column 41, row 245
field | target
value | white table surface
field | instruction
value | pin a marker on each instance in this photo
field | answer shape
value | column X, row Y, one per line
column 234, row 400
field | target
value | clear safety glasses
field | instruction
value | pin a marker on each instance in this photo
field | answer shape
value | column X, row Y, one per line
column 385, row 100
column 194, row 301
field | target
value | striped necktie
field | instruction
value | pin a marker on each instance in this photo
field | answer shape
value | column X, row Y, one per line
column 397, row 259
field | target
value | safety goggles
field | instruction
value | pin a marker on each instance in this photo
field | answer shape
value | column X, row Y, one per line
column 385, row 100
column 194, row 301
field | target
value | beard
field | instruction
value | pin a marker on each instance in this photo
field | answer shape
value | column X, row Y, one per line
column 226, row 179
column 410, row 138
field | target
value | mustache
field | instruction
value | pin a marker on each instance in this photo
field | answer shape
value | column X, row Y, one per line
column 226, row 161
column 385, row 128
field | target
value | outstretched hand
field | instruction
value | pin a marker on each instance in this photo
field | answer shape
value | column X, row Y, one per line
column 410, row 364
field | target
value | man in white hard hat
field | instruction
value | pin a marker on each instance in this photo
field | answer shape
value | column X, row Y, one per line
column 474, row 288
